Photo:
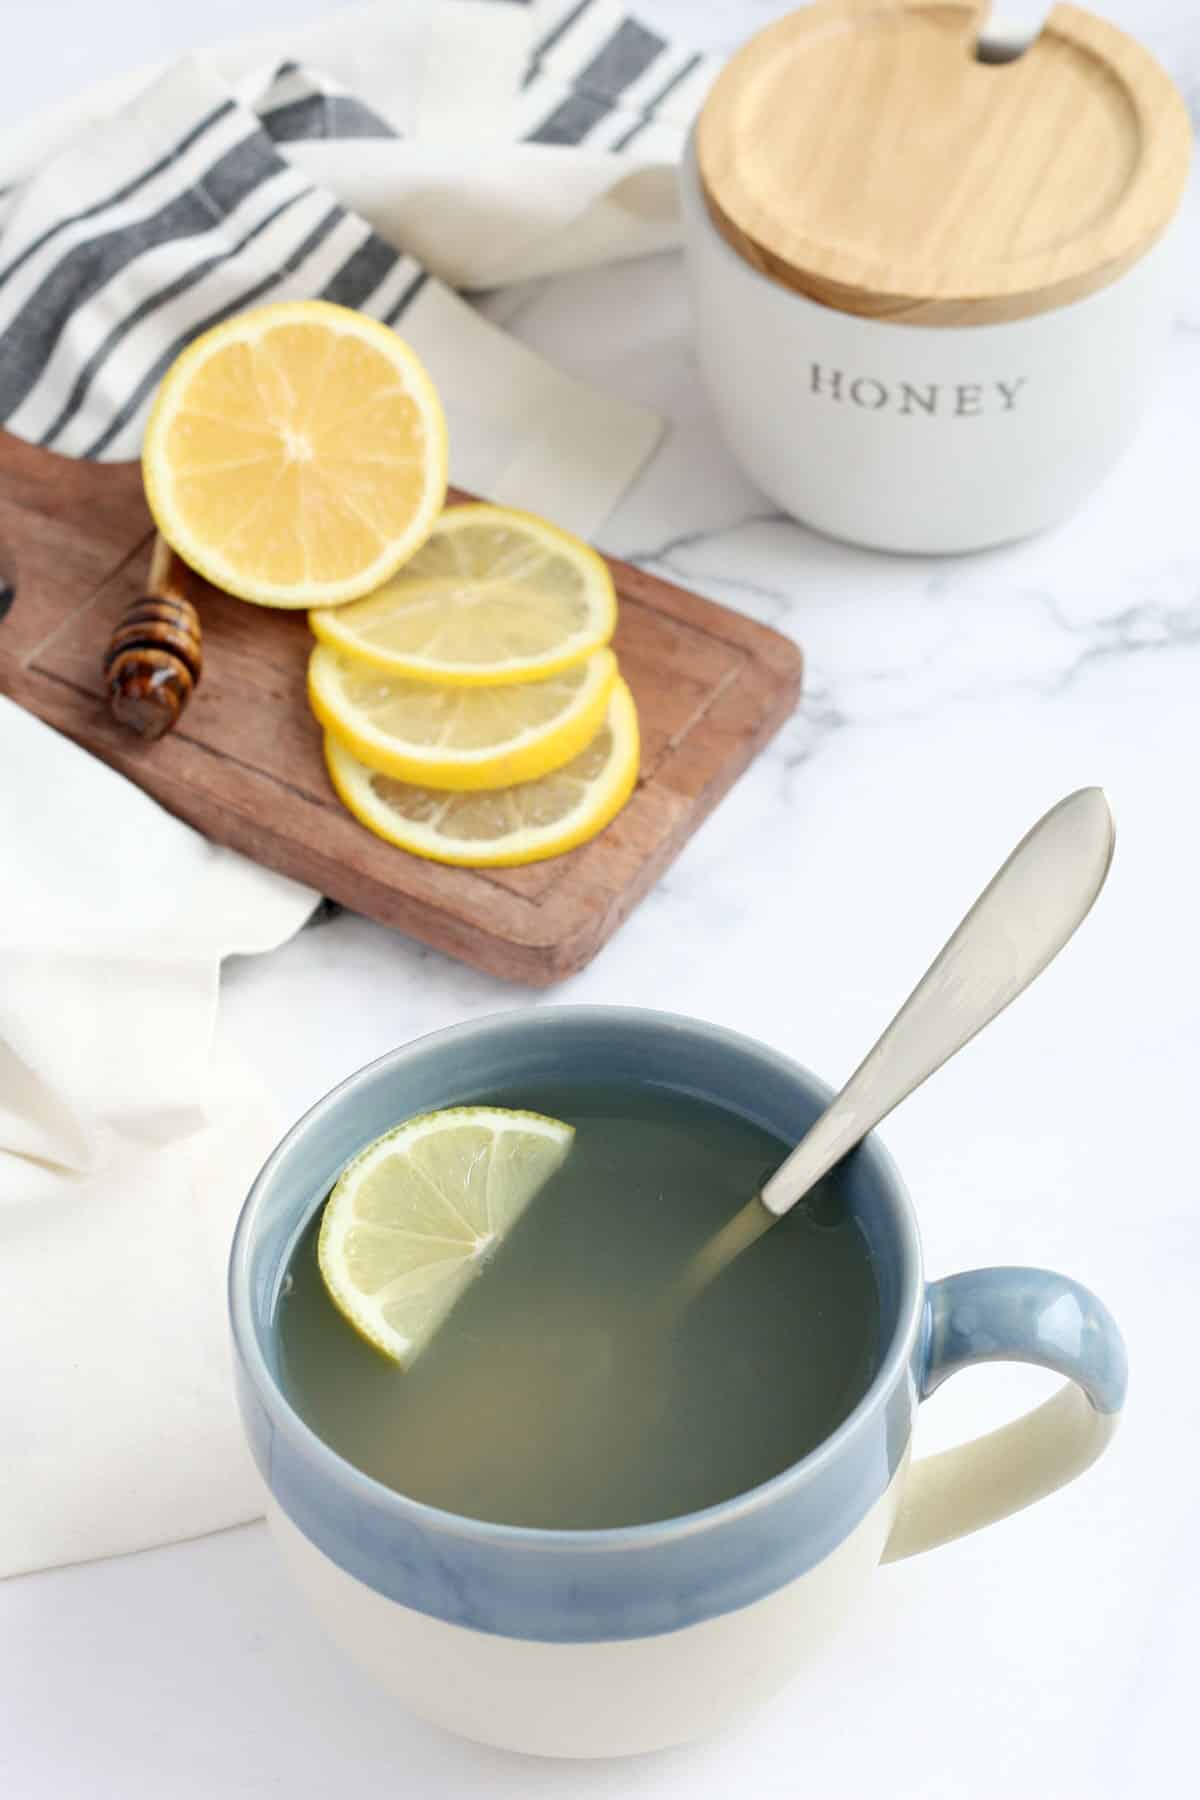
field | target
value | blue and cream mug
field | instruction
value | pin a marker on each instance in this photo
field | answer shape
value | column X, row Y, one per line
column 597, row 1643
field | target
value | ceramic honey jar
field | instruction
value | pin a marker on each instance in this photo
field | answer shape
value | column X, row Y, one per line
column 929, row 290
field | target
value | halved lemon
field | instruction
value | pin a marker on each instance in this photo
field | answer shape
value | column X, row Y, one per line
column 507, row 826
column 492, row 596
column 413, row 1219
column 471, row 737
column 296, row 454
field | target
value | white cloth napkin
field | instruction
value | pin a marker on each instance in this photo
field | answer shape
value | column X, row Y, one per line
column 128, row 1138
column 372, row 159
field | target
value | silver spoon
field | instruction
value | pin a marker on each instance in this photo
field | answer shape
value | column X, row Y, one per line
column 1017, row 926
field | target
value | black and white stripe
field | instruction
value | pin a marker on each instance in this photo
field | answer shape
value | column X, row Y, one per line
column 300, row 105
column 598, row 87
column 600, row 78
column 171, row 163
column 132, row 241
column 85, row 372
column 95, row 266
column 96, row 305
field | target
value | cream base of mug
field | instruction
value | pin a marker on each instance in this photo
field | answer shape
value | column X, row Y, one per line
column 882, row 480
column 617, row 1697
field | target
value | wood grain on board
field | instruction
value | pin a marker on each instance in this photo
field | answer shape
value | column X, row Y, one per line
column 244, row 763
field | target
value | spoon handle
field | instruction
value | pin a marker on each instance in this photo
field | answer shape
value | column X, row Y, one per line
column 1019, row 923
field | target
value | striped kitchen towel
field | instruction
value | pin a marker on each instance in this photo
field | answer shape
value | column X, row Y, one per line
column 529, row 138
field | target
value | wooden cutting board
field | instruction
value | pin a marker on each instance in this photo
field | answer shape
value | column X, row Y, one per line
column 244, row 764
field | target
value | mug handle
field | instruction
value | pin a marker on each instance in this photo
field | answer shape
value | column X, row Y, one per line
column 1011, row 1315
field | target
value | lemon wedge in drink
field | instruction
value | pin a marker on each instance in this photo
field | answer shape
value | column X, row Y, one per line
column 413, row 1219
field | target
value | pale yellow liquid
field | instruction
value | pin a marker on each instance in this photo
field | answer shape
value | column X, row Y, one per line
column 569, row 1388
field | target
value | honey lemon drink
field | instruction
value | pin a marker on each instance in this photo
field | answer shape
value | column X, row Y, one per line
column 562, row 1388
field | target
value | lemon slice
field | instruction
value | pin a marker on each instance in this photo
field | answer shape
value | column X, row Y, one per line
column 459, row 737
column 492, row 596
column 506, row 826
column 296, row 454
column 414, row 1217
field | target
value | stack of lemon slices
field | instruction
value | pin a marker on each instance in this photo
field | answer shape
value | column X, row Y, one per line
column 473, row 712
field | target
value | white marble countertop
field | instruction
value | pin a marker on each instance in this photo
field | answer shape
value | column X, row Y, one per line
column 948, row 703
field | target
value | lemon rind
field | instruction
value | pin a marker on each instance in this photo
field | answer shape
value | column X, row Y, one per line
column 607, row 798
column 539, row 751
column 210, row 563
column 332, row 628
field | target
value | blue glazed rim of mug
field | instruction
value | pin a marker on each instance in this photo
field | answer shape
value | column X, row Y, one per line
column 249, row 1324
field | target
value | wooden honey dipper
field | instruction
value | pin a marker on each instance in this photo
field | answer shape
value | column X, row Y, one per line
column 154, row 659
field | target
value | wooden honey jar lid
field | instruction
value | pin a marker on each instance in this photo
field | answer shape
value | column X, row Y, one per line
column 859, row 152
